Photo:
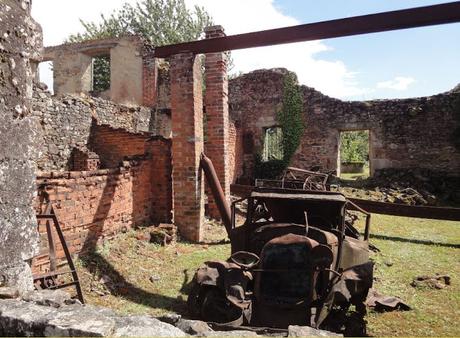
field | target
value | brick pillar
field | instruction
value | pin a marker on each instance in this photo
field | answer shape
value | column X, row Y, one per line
column 149, row 77
column 187, row 145
column 217, row 118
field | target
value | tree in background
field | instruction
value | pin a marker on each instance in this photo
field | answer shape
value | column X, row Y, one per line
column 161, row 22
column 354, row 146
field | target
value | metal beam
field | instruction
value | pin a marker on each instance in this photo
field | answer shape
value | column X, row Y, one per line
column 371, row 23
column 375, row 207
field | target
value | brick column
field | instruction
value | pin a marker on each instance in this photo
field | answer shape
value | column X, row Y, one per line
column 217, row 118
column 187, row 145
column 149, row 77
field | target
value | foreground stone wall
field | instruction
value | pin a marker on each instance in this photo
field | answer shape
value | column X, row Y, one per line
column 404, row 133
column 20, row 44
column 66, row 122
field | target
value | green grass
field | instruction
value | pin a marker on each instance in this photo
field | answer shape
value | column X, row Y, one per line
column 408, row 247
column 355, row 176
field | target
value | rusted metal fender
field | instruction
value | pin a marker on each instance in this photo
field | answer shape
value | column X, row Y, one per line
column 228, row 277
column 351, row 287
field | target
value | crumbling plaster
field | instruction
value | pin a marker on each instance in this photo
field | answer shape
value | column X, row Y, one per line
column 73, row 71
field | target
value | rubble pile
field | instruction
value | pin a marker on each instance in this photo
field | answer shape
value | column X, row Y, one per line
column 406, row 186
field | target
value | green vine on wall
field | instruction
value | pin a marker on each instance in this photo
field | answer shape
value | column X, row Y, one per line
column 290, row 120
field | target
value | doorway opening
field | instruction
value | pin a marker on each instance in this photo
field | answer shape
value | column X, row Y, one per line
column 353, row 162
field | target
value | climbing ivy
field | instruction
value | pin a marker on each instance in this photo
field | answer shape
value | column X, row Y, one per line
column 289, row 118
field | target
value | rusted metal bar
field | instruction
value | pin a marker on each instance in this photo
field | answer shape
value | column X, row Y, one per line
column 364, row 24
column 375, row 207
column 417, row 211
column 217, row 192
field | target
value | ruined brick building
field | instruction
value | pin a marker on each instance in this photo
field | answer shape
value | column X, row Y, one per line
column 130, row 156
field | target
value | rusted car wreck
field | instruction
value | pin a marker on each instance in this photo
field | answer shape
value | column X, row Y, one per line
column 297, row 259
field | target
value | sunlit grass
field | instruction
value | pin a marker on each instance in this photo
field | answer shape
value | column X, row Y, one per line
column 408, row 247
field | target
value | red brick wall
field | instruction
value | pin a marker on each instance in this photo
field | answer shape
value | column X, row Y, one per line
column 161, row 179
column 149, row 78
column 187, row 144
column 217, row 118
column 95, row 205
column 114, row 145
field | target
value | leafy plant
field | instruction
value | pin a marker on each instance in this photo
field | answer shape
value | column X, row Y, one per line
column 160, row 22
column 354, row 146
column 292, row 126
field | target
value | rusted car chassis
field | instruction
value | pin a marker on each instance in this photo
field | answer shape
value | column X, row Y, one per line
column 296, row 260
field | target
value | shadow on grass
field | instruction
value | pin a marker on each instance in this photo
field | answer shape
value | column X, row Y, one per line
column 120, row 287
column 416, row 241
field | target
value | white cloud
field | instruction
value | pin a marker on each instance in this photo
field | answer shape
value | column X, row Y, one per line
column 59, row 18
column 240, row 16
column 398, row 83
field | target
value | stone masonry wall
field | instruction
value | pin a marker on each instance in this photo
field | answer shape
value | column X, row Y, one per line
column 254, row 100
column 20, row 44
column 404, row 133
column 66, row 122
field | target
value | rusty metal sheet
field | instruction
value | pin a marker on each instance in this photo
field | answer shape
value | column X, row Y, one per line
column 364, row 24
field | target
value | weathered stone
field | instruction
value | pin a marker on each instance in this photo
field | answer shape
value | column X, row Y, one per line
column 307, row 331
column 170, row 318
column 193, row 327
column 21, row 44
column 19, row 318
column 53, row 298
column 8, row 292
column 233, row 333
column 77, row 320
column 145, row 326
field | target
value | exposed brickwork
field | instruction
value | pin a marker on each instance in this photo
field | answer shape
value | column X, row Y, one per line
column 149, row 77
column 85, row 160
column 66, row 122
column 95, row 205
column 187, row 145
column 161, row 178
column 217, row 119
column 114, row 145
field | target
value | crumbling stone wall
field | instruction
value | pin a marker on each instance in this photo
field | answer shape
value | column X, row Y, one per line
column 65, row 123
column 254, row 100
column 404, row 133
column 72, row 66
column 20, row 44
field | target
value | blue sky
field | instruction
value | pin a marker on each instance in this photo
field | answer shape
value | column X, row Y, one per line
column 428, row 55
column 404, row 63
